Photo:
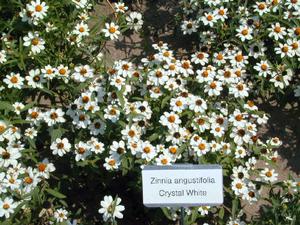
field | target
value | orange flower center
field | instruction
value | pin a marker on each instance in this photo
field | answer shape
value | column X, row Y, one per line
column 245, row 32
column 239, row 58
column 158, row 74
column 35, row 41
column 42, row 167
column 164, row 161
column 220, row 56
column 147, row 150
column 81, row 150
column 186, row 65
column 239, row 186
column 213, row 85
column 5, row 155
column 172, row 67
column 264, row 67
column 81, row 29
column 112, row 112
column 6, row 206
column 178, row 103
column 85, row 99
column 201, row 146
column 285, row 49
column 112, row 30
column 38, row 8
column 112, row 162
column 261, row 6
column 2, row 128
column 53, row 116
column 171, row 119
column 14, row 79
column 277, row 29
column 295, row 45
column 34, row 115
column 200, row 121
column 209, row 17
column 269, row 174
column 28, row 180
column 60, row 145
column 239, row 117
column 62, row 71
column 173, row 150
column 131, row 133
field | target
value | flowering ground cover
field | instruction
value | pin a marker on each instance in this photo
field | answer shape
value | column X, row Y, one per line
column 76, row 129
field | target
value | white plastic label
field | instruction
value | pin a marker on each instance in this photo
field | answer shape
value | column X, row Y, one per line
column 182, row 185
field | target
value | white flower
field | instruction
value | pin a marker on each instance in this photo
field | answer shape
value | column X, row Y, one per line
column 81, row 29
column 239, row 90
column 37, row 9
column 201, row 147
column 9, row 157
column 111, row 31
column 81, row 4
column 120, row 7
column 214, row 88
column 244, row 33
column 163, row 160
column 277, row 32
column 35, row 79
column 54, row 116
column 147, row 151
column 284, row 50
column 60, row 215
column 261, row 8
column 112, row 113
column 200, row 58
column 263, row 68
column 239, row 186
column 112, row 163
column 82, row 73
column 3, row 56
column 14, row 80
column 203, row 210
column 82, row 150
column 30, row 132
column 96, row 146
column 19, row 106
column 34, row 41
column 135, row 21
column 60, row 146
column 268, row 175
column 189, row 27
column 97, row 127
column 111, row 208
column 171, row 120
column 208, row 19
column 45, row 168
column 7, row 207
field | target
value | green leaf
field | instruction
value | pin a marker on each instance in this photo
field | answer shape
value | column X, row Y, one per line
column 55, row 193
column 6, row 105
column 121, row 97
column 56, row 133
column 221, row 213
column 167, row 213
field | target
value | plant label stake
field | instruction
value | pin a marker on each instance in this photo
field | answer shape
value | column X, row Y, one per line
column 182, row 185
